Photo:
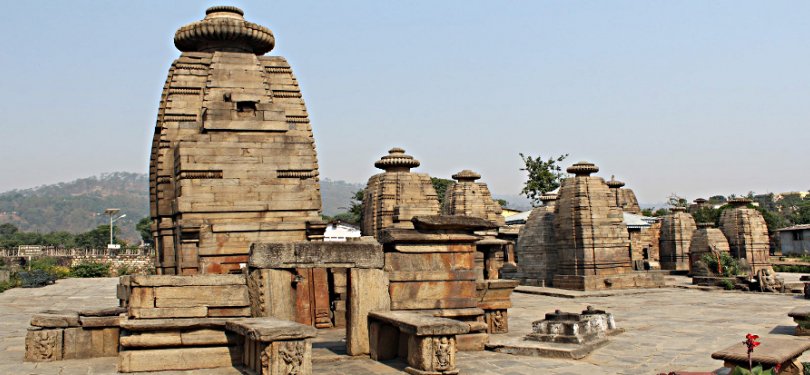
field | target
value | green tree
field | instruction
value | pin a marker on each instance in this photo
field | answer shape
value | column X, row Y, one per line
column 144, row 229
column 502, row 202
column 8, row 229
column 355, row 213
column 96, row 238
column 706, row 214
column 543, row 176
column 441, row 185
column 717, row 199
column 675, row 200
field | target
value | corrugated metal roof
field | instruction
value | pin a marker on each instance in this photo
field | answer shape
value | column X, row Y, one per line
column 795, row 227
column 518, row 218
column 637, row 221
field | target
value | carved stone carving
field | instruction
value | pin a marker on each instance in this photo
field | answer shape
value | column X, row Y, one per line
column 443, row 353
column 43, row 345
column 292, row 356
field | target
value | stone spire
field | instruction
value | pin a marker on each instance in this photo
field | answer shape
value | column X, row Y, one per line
column 624, row 198
column 233, row 157
column 747, row 233
column 394, row 197
column 706, row 240
column 224, row 29
column 677, row 229
column 468, row 198
column 536, row 249
column 591, row 237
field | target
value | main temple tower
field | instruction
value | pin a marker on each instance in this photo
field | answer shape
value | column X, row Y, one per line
column 233, row 157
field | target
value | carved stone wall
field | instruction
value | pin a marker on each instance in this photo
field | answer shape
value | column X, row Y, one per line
column 395, row 196
column 233, row 157
column 623, row 197
column 591, row 236
column 469, row 198
column 676, row 234
column 706, row 240
column 536, row 250
column 747, row 233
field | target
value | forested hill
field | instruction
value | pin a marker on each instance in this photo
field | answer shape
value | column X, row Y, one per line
column 78, row 206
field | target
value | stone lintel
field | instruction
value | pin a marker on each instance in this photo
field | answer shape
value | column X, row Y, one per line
column 172, row 324
column 400, row 235
column 270, row 329
column 421, row 324
column 452, row 222
column 196, row 280
column 351, row 254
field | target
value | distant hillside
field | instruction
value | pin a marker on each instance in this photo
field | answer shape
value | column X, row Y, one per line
column 78, row 206
column 336, row 196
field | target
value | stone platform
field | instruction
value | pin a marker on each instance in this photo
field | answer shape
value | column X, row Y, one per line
column 666, row 329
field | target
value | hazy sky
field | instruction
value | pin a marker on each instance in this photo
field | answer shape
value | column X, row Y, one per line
column 693, row 97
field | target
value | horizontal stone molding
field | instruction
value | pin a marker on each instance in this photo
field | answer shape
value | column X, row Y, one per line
column 351, row 254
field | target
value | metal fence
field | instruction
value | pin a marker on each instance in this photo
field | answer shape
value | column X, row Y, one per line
column 53, row 251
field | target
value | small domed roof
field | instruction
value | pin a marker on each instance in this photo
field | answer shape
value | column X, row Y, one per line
column 614, row 183
column 466, row 175
column 678, row 209
column 738, row 202
column 224, row 29
column 583, row 168
column 396, row 160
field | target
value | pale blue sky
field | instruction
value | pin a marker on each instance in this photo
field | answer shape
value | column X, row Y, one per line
column 694, row 97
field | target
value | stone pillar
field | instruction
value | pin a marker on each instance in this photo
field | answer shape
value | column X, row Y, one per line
column 368, row 291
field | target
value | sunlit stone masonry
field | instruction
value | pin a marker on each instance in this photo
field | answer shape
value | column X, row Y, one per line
column 706, row 240
column 592, row 239
column 395, row 196
column 469, row 198
column 624, row 198
column 536, row 252
column 233, row 157
column 747, row 233
column 676, row 235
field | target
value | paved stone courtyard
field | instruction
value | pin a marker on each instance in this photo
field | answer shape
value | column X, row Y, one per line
column 666, row 329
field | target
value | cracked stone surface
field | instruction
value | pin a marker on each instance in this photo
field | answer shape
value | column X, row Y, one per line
column 666, row 329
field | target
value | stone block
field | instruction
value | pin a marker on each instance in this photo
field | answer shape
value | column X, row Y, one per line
column 55, row 319
column 99, row 321
column 287, row 357
column 384, row 340
column 472, row 342
column 142, row 297
column 77, row 344
column 193, row 296
column 372, row 285
column 169, row 312
column 216, row 312
column 177, row 359
column 353, row 254
column 197, row 280
column 431, row 355
column 270, row 329
column 43, row 345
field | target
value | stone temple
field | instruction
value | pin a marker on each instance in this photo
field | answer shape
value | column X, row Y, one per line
column 592, row 240
column 536, row 252
column 233, row 157
column 706, row 240
column 676, row 235
column 625, row 198
column 395, row 196
column 747, row 233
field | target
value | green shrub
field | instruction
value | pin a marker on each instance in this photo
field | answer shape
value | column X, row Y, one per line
column 727, row 284
column 90, row 269
column 44, row 263
column 125, row 270
column 35, row 278
column 728, row 265
column 792, row 268
column 6, row 285
column 806, row 368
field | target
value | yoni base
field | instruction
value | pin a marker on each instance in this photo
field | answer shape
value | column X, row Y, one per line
column 620, row 281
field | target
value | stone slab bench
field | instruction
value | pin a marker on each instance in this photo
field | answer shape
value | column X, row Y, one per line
column 274, row 347
column 427, row 343
column 771, row 351
column 801, row 315
column 264, row 346
column 66, row 334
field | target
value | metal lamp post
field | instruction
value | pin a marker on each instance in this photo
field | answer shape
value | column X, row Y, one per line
column 112, row 212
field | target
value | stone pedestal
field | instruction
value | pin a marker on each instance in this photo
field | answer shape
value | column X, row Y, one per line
column 57, row 335
column 771, row 352
column 801, row 315
column 589, row 327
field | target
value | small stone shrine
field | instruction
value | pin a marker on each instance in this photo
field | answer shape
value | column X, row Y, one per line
column 592, row 239
column 706, row 240
column 536, row 251
column 395, row 196
column 469, row 198
column 233, row 157
column 747, row 233
column 624, row 198
column 589, row 327
column 677, row 229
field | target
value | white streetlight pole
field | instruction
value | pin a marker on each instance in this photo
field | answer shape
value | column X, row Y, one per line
column 112, row 212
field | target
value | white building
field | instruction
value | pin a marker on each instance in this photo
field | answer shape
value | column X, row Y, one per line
column 338, row 231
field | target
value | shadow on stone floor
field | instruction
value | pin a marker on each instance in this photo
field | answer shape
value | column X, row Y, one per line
column 783, row 330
